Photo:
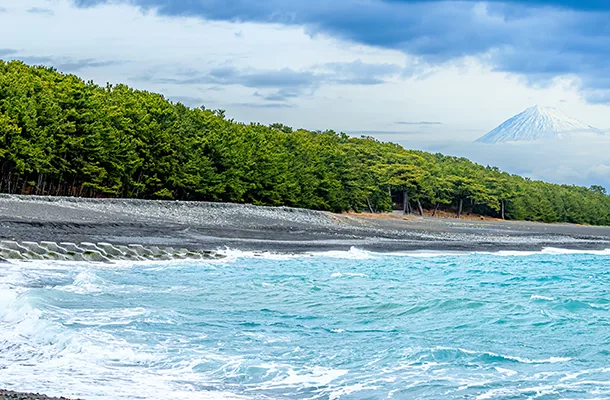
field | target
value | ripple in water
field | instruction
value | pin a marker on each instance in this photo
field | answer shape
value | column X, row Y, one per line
column 353, row 325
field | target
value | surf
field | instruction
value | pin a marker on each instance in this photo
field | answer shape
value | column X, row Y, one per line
column 341, row 324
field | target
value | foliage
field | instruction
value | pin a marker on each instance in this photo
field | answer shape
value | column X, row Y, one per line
column 60, row 135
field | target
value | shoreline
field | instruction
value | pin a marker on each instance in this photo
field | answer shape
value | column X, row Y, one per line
column 207, row 227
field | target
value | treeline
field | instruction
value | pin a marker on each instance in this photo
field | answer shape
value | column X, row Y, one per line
column 62, row 136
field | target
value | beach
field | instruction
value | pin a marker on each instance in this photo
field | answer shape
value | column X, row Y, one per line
column 201, row 226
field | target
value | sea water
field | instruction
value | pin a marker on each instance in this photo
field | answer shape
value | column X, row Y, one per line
column 338, row 325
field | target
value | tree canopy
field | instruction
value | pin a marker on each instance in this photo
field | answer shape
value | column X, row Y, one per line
column 60, row 135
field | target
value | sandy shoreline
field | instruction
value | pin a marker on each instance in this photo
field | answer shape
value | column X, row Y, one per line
column 210, row 226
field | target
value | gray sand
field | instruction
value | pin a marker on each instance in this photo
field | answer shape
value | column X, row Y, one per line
column 210, row 226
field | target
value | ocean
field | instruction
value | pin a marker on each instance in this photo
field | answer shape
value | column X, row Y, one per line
column 335, row 325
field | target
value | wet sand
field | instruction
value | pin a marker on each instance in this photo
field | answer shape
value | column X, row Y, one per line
column 202, row 226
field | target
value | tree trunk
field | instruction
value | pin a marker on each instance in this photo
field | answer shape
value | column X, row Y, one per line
column 472, row 207
column 39, row 183
column 502, row 209
column 72, row 187
column 421, row 210
column 436, row 209
column 405, row 201
column 459, row 211
column 368, row 203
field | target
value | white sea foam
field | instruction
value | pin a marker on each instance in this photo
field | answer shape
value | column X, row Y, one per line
column 506, row 371
column 7, row 300
column 553, row 390
column 511, row 253
column 86, row 282
column 547, row 251
column 40, row 355
column 555, row 250
column 234, row 254
column 83, row 364
column 347, row 390
column 348, row 274
column 524, row 360
column 92, row 317
column 550, row 360
column 355, row 253
column 288, row 377
column 539, row 297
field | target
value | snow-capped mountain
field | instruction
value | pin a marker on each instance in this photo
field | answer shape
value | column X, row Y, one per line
column 538, row 123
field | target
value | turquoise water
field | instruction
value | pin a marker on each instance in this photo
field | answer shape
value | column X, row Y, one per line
column 349, row 325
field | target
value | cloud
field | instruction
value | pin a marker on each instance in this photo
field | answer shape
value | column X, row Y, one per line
column 273, row 86
column 356, row 72
column 63, row 64
column 263, row 105
column 234, row 5
column 284, row 77
column 3, row 10
column 360, row 73
column 41, row 11
column 7, row 52
column 283, row 84
column 540, row 39
column 282, row 94
column 78, row 65
column 589, row 5
column 418, row 123
column 189, row 101
column 381, row 132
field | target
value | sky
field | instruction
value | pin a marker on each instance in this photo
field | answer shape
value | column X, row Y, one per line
column 431, row 75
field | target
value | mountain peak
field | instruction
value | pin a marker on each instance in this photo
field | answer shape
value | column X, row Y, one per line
column 540, row 109
column 537, row 109
column 537, row 123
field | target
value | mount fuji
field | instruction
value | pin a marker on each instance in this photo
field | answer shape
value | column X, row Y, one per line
column 538, row 123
